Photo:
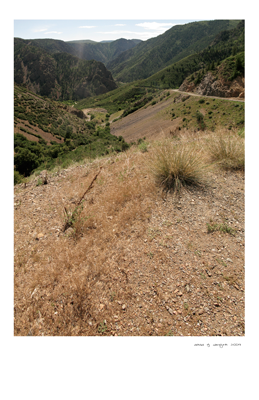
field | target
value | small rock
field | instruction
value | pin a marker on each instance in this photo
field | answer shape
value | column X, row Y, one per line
column 124, row 307
column 169, row 310
column 101, row 306
column 229, row 260
column 39, row 236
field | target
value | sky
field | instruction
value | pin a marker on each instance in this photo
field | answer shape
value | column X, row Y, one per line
column 96, row 30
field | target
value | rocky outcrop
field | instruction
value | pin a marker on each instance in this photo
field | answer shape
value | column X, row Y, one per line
column 78, row 113
column 211, row 86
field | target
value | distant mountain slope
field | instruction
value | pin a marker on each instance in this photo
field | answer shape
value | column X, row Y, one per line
column 86, row 49
column 226, row 51
column 58, row 75
column 180, row 41
column 225, row 44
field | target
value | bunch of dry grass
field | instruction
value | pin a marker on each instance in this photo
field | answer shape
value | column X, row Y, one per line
column 177, row 165
column 227, row 150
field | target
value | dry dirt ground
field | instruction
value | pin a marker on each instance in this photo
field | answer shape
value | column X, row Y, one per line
column 137, row 262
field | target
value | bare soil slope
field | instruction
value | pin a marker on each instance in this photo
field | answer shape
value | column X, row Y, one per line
column 150, row 122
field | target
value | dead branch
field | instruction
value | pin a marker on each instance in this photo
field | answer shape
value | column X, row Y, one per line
column 70, row 218
column 89, row 187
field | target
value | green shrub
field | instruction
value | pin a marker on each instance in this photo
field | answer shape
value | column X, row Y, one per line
column 200, row 120
column 224, row 228
column 143, row 147
column 25, row 161
column 17, row 177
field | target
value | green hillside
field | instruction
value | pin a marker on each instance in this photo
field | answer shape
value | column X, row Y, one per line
column 225, row 44
column 73, row 138
column 177, row 43
column 59, row 75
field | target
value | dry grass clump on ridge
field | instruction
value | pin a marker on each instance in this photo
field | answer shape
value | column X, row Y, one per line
column 227, row 150
column 175, row 165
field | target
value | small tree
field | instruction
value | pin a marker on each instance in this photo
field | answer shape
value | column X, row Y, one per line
column 25, row 161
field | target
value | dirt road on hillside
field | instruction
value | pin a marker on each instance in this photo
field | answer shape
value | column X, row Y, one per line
column 210, row 97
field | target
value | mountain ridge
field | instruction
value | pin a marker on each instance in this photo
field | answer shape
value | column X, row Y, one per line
column 180, row 41
column 85, row 49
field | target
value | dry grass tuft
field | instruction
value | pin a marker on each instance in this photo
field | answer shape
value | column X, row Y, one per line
column 177, row 165
column 227, row 150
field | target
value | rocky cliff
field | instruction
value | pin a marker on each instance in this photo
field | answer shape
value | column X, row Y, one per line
column 210, row 85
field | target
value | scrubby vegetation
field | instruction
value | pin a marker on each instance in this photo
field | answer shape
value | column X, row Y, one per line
column 73, row 138
column 207, row 113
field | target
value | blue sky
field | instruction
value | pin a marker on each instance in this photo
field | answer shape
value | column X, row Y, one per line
column 96, row 30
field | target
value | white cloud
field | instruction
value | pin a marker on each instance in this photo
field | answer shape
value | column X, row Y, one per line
column 87, row 27
column 156, row 26
column 58, row 33
column 116, row 32
column 40, row 30
column 144, row 35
